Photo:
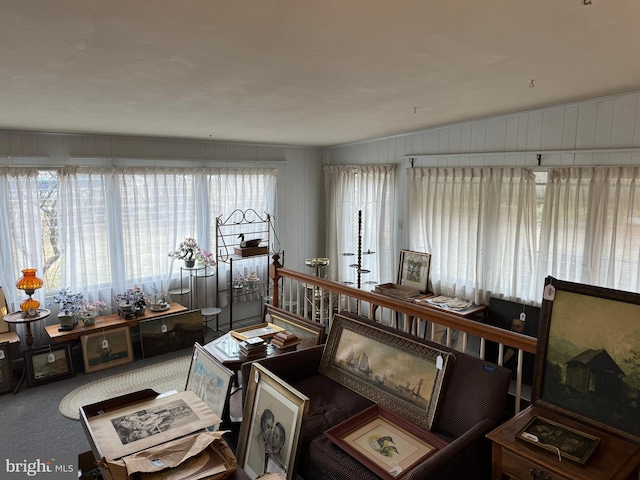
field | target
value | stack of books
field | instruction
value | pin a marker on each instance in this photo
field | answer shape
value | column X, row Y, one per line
column 253, row 348
column 285, row 340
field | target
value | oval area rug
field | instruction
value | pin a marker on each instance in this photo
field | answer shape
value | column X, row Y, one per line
column 162, row 377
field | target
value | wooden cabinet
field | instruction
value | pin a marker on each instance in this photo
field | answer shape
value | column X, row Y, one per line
column 613, row 459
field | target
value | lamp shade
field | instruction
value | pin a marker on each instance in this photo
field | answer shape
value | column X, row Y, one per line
column 29, row 281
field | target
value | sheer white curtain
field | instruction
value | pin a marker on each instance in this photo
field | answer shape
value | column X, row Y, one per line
column 20, row 227
column 369, row 190
column 479, row 225
column 591, row 227
column 231, row 194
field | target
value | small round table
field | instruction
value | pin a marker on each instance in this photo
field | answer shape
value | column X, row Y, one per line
column 18, row 318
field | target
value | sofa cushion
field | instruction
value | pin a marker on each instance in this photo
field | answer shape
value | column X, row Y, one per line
column 330, row 403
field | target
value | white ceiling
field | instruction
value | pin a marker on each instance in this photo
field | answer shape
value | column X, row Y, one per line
column 303, row 72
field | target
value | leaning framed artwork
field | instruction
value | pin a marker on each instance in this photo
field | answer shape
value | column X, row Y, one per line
column 391, row 369
column 6, row 380
column 272, row 419
column 170, row 333
column 209, row 379
column 311, row 333
column 47, row 364
column 385, row 442
column 413, row 269
column 564, row 441
column 588, row 357
column 106, row 348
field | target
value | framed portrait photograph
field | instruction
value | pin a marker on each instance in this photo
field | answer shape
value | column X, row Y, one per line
column 106, row 348
column 561, row 440
column 210, row 380
column 6, row 377
column 390, row 369
column 272, row 418
column 588, row 360
column 311, row 333
column 413, row 269
column 385, row 442
column 47, row 364
column 170, row 333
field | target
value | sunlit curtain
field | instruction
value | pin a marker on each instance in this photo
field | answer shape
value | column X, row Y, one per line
column 20, row 227
column 241, row 199
column 479, row 225
column 360, row 205
column 591, row 227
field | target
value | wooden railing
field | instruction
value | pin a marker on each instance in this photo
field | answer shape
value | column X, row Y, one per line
column 318, row 299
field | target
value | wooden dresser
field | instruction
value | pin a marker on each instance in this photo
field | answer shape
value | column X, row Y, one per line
column 613, row 459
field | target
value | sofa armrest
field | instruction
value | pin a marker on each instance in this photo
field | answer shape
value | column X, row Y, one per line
column 454, row 460
column 290, row 367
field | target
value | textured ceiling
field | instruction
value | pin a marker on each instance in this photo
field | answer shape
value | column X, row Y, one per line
column 302, row 72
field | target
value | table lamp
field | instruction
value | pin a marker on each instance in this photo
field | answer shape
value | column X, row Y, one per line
column 29, row 283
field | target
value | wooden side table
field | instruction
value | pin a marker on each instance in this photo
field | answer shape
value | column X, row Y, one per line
column 614, row 459
column 18, row 318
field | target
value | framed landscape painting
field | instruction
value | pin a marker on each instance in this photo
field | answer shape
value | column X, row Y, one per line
column 170, row 333
column 391, row 369
column 106, row 349
column 413, row 269
column 588, row 358
column 47, row 364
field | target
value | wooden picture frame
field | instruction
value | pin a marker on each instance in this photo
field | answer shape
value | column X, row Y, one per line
column 6, row 376
column 588, row 356
column 563, row 441
column 413, row 270
column 311, row 333
column 47, row 364
column 263, row 330
column 210, row 380
column 386, row 443
column 391, row 369
column 272, row 419
column 98, row 355
column 170, row 333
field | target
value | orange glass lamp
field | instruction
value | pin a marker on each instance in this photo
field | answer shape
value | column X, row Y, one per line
column 29, row 283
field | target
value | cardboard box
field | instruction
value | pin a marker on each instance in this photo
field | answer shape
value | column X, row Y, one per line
column 130, row 429
column 396, row 290
column 250, row 251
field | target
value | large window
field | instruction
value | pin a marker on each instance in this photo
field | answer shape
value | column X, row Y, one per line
column 102, row 230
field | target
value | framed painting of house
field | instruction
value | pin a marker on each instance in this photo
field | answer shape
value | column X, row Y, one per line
column 588, row 358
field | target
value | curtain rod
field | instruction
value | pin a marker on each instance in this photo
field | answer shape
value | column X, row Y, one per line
column 525, row 152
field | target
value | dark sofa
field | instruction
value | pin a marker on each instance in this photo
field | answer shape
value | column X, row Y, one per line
column 472, row 404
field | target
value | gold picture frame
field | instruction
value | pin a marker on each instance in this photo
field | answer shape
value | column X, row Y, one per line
column 106, row 348
column 386, row 443
column 386, row 366
column 272, row 420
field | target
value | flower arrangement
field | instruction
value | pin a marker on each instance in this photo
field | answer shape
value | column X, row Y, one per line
column 188, row 249
column 206, row 257
column 86, row 309
column 157, row 296
column 133, row 296
column 68, row 302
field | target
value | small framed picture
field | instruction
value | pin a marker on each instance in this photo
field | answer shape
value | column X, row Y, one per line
column 565, row 442
column 272, row 419
column 47, row 364
column 413, row 269
column 6, row 379
column 210, row 380
column 385, row 442
column 106, row 348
